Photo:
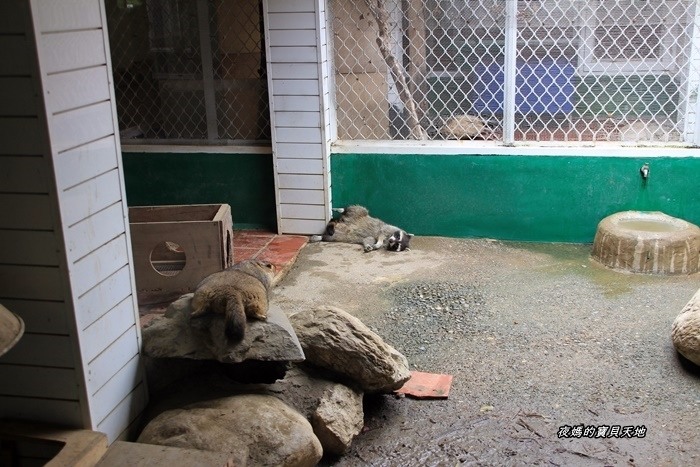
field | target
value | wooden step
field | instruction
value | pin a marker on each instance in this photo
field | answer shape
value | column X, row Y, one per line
column 122, row 453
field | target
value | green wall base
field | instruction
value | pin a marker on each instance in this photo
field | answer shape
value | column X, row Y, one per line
column 244, row 181
column 508, row 197
column 527, row 198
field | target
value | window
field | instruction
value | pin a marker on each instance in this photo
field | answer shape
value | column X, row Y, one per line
column 189, row 70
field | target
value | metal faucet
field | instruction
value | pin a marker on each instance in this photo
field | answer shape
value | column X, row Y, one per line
column 644, row 171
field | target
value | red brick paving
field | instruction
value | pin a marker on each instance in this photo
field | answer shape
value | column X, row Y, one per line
column 280, row 250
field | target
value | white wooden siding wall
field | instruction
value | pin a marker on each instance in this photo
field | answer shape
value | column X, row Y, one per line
column 64, row 241
column 300, row 110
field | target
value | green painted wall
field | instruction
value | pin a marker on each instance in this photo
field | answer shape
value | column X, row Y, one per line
column 244, row 181
column 530, row 198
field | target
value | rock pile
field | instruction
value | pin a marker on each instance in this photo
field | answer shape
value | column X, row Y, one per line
column 315, row 409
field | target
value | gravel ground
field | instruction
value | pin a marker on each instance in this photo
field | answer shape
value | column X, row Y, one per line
column 538, row 338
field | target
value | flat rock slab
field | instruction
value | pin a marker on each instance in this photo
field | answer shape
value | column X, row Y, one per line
column 176, row 335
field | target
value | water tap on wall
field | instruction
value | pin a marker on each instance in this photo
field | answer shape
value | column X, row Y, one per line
column 644, row 171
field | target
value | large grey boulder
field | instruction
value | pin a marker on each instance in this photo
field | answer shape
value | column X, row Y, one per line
column 337, row 341
column 176, row 335
column 685, row 331
column 257, row 429
column 334, row 409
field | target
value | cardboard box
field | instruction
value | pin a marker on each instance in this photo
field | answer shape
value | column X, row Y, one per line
column 175, row 247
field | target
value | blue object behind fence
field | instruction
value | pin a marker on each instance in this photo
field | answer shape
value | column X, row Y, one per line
column 543, row 86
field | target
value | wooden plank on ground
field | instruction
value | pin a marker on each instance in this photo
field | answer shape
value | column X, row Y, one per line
column 80, row 448
column 123, row 453
column 173, row 213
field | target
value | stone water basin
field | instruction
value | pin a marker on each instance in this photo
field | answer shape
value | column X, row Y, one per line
column 647, row 242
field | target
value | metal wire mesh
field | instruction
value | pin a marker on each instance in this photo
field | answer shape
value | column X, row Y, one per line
column 584, row 70
column 189, row 70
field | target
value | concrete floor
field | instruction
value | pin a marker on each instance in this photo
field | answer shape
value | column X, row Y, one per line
column 539, row 339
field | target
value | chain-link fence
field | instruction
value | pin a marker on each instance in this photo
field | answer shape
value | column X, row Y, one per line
column 516, row 70
column 189, row 70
